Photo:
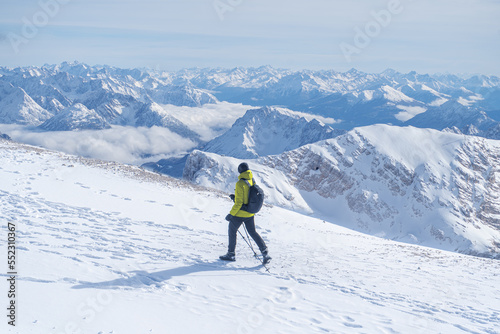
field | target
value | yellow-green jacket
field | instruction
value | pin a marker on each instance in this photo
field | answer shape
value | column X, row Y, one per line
column 241, row 195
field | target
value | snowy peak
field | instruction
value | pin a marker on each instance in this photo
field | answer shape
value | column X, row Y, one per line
column 183, row 96
column 269, row 130
column 354, row 98
column 114, row 93
column 154, row 115
column 453, row 114
column 4, row 136
column 17, row 107
column 393, row 95
column 425, row 94
column 76, row 117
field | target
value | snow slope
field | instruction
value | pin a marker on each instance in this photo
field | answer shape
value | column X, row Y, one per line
column 415, row 185
column 109, row 248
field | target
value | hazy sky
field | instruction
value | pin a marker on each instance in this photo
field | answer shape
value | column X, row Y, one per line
column 429, row 36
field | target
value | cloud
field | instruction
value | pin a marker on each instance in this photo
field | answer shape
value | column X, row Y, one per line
column 210, row 120
column 122, row 144
column 309, row 117
column 133, row 145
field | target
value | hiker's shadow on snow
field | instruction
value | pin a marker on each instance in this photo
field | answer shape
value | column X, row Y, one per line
column 143, row 278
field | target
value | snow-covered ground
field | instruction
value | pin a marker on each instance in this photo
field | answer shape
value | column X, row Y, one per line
column 110, row 248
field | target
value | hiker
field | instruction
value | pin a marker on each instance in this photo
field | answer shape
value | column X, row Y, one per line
column 237, row 216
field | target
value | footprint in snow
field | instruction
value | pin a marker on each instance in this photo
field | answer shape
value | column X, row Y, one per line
column 348, row 324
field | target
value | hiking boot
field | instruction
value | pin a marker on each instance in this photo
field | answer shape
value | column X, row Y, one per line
column 230, row 256
column 265, row 256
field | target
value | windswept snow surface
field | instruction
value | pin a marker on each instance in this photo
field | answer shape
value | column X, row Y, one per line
column 109, row 248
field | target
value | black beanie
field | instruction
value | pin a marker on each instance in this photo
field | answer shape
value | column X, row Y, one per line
column 243, row 167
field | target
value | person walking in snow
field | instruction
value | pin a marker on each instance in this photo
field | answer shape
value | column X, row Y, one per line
column 237, row 216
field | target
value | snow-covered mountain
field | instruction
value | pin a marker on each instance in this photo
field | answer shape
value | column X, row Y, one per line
column 108, row 248
column 267, row 131
column 76, row 117
column 259, row 132
column 32, row 95
column 460, row 118
column 415, row 185
column 4, row 136
column 17, row 107
column 154, row 115
column 182, row 95
column 352, row 98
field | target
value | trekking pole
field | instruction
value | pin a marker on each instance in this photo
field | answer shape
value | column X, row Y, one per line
column 255, row 254
column 251, row 247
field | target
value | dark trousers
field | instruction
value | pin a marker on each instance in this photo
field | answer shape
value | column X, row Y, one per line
column 235, row 224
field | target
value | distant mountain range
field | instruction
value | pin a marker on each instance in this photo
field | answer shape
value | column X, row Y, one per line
column 357, row 99
column 74, row 96
column 33, row 95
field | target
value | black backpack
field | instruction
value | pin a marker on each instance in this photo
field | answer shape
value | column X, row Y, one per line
column 255, row 198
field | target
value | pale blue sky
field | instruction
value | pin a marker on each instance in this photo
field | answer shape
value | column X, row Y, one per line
column 456, row 36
